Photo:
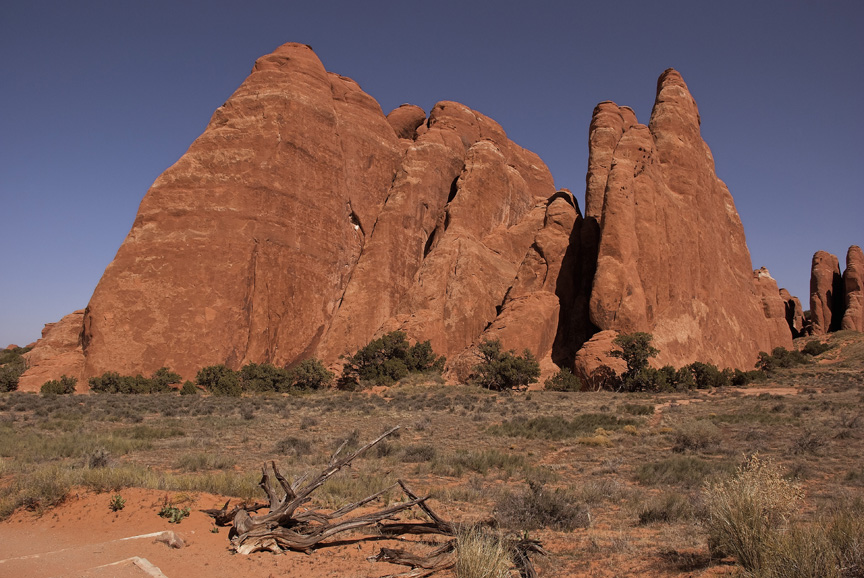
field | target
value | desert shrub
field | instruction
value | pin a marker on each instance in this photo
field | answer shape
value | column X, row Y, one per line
column 188, row 388
column 165, row 377
column 746, row 513
column 295, row 446
column 418, row 453
column 707, row 376
column 564, row 380
column 556, row 427
column 11, row 368
column 264, row 377
column 695, row 434
column 686, row 471
column 742, row 378
column 63, row 386
column 388, row 359
column 635, row 349
column 636, row 409
column 478, row 461
column 502, row 370
column 537, row 507
column 646, row 379
column 814, row 348
column 113, row 382
column 780, row 358
column 602, row 378
column 219, row 380
column 311, row 374
column 480, row 553
column 665, row 508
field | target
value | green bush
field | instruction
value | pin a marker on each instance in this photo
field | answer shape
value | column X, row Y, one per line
column 564, row 380
column 502, row 370
column 707, row 376
column 388, row 359
column 165, row 377
column 635, row 349
column 113, row 382
column 63, row 386
column 814, row 348
column 10, row 371
column 311, row 374
column 188, row 388
column 264, row 377
column 219, row 380
column 780, row 358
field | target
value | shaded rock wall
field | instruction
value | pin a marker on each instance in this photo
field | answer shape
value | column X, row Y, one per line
column 826, row 293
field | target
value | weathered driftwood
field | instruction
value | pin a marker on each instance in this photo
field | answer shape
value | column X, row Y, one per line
column 286, row 527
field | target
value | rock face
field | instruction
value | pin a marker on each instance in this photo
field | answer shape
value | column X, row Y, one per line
column 303, row 222
column 58, row 353
column 826, row 293
column 794, row 313
column 773, row 304
column 853, row 283
column 672, row 259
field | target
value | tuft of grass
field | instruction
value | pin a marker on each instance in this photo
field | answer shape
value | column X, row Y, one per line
column 414, row 454
column 477, row 461
column 666, row 508
column 746, row 513
column 295, row 446
column 198, row 461
column 480, row 553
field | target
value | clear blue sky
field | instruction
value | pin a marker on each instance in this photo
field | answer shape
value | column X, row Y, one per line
column 98, row 98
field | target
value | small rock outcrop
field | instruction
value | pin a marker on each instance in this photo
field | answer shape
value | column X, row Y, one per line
column 853, row 285
column 826, row 293
column 406, row 119
column 57, row 353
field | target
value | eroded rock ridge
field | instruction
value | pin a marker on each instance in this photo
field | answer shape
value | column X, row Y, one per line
column 304, row 222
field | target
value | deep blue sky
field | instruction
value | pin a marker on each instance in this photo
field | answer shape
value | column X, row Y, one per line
column 98, row 98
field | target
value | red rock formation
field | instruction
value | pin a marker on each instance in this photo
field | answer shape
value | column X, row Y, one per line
column 794, row 313
column 672, row 259
column 241, row 250
column 853, row 282
column 826, row 293
column 773, row 305
column 593, row 361
column 57, row 353
column 406, row 119
column 304, row 222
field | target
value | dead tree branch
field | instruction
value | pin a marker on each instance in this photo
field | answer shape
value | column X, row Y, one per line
column 285, row 527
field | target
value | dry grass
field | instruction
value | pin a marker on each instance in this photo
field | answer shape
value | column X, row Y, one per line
column 637, row 472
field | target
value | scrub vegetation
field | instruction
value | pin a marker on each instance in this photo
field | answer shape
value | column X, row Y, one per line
column 666, row 482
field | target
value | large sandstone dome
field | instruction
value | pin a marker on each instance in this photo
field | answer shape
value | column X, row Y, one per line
column 304, row 222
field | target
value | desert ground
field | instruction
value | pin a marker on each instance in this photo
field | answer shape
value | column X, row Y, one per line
column 612, row 484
